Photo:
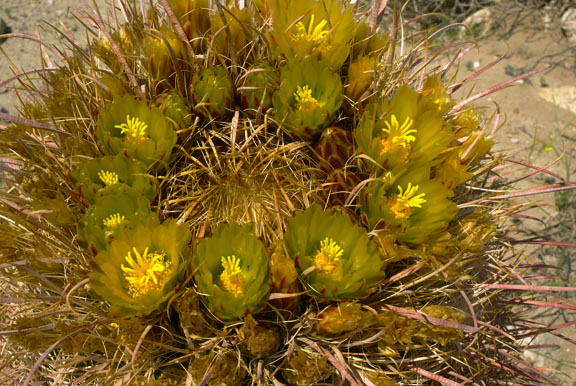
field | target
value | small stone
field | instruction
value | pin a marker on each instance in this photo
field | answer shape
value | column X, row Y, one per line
column 4, row 29
column 568, row 24
column 514, row 140
column 563, row 97
column 480, row 22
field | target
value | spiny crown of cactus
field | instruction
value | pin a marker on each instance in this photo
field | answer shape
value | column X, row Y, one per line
column 246, row 194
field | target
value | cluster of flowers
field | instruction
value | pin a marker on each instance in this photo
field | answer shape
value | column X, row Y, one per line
column 413, row 157
column 138, row 259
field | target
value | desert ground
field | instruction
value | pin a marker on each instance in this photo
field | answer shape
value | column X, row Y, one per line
column 538, row 116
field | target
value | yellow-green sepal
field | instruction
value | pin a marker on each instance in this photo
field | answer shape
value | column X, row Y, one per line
column 235, row 242
column 359, row 267
column 175, row 108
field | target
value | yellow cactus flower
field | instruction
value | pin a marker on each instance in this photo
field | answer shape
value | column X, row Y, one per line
column 335, row 257
column 319, row 30
column 130, row 127
column 232, row 271
column 308, row 98
column 110, row 214
column 108, row 175
column 412, row 208
column 142, row 267
column 403, row 130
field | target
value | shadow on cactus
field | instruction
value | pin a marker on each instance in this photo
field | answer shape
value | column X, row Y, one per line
column 266, row 194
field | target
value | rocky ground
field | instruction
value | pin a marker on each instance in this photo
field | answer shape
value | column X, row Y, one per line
column 540, row 129
column 539, row 113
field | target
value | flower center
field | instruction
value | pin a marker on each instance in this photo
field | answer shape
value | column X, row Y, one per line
column 145, row 272
column 134, row 129
column 312, row 34
column 398, row 135
column 401, row 203
column 113, row 221
column 108, row 178
column 304, row 100
column 328, row 257
column 232, row 278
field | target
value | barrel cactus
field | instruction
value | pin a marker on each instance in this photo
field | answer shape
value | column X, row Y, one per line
column 251, row 193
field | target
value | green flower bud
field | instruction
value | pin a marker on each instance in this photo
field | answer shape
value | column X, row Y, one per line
column 175, row 109
column 260, row 82
column 164, row 50
column 212, row 91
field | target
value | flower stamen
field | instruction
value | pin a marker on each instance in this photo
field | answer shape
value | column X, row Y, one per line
column 401, row 203
column 232, row 278
column 145, row 272
column 304, row 100
column 134, row 129
column 114, row 221
column 329, row 256
column 312, row 34
column 107, row 177
column 398, row 135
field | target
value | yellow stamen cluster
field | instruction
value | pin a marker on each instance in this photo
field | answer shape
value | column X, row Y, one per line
column 312, row 34
column 305, row 101
column 113, row 221
column 107, row 177
column 134, row 129
column 398, row 135
column 328, row 257
column 401, row 203
column 232, row 277
column 145, row 272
